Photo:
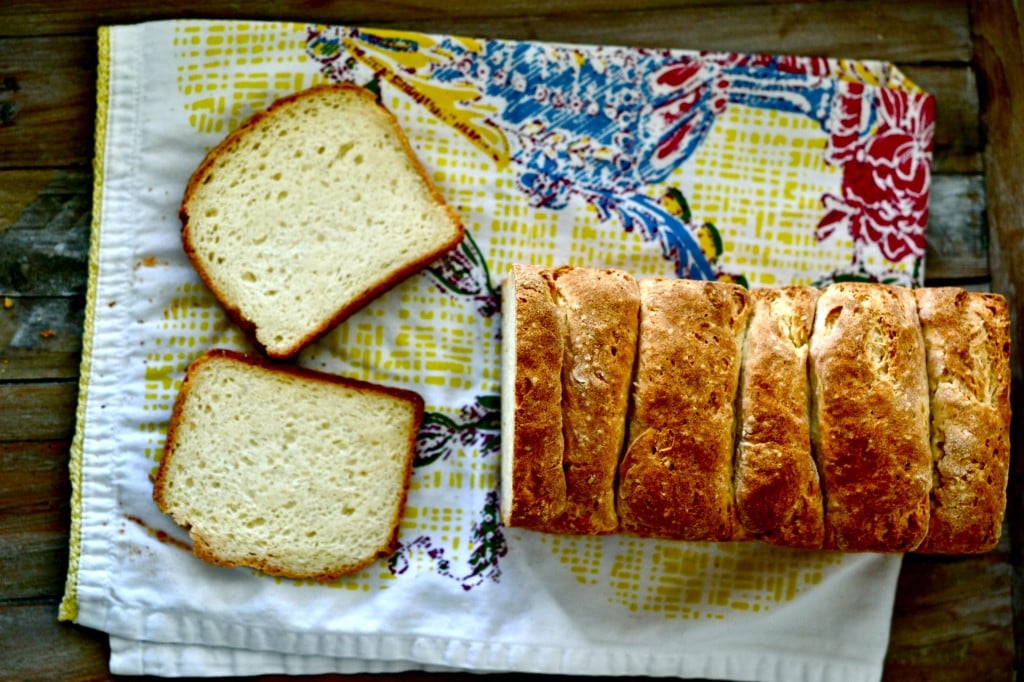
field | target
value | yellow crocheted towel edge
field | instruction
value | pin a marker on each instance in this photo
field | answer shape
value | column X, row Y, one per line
column 69, row 604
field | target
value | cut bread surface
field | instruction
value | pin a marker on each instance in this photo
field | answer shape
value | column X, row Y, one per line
column 309, row 210
column 292, row 472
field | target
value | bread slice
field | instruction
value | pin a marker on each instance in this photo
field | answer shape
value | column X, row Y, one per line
column 292, row 472
column 308, row 211
column 600, row 308
column 675, row 480
column 967, row 340
column 870, row 417
column 533, row 488
column 778, row 493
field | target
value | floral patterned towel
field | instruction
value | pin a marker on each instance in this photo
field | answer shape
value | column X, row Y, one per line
column 764, row 170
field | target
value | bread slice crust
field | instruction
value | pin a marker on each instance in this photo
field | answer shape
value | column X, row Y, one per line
column 675, row 480
column 270, row 483
column 533, row 440
column 967, row 340
column 871, row 417
column 255, row 295
column 778, row 491
column 601, row 309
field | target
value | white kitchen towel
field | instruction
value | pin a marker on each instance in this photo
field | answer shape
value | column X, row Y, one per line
column 757, row 169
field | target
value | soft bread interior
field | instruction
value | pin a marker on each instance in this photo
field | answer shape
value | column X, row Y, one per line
column 310, row 210
column 508, row 394
column 294, row 474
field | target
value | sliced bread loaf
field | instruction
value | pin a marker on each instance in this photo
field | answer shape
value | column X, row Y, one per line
column 778, row 491
column 675, row 479
column 967, row 343
column 292, row 472
column 308, row 211
column 601, row 312
column 533, row 487
column 869, row 412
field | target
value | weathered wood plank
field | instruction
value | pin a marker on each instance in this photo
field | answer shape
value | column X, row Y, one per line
column 44, row 241
column 957, row 246
column 957, row 129
column 918, row 30
column 37, row 647
column 34, row 557
column 34, row 515
column 999, row 44
column 37, row 411
column 35, row 478
column 44, row 249
column 952, row 620
column 18, row 189
column 47, row 100
column 40, row 338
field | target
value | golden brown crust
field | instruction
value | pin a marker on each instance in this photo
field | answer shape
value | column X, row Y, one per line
column 199, row 545
column 967, row 340
column 203, row 551
column 778, row 494
column 870, row 411
column 676, row 476
column 601, row 312
column 233, row 140
column 538, row 481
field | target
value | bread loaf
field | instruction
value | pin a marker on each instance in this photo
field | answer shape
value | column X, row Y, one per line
column 967, row 341
column 862, row 418
column 600, row 309
column 308, row 211
column 533, row 488
column 675, row 480
column 870, row 417
column 778, row 493
column 294, row 473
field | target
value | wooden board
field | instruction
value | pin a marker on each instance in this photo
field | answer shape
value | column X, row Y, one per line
column 954, row 618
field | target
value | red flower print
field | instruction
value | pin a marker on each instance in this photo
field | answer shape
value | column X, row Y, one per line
column 812, row 66
column 846, row 123
column 885, row 180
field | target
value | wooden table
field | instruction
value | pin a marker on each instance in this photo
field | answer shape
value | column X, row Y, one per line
column 955, row 618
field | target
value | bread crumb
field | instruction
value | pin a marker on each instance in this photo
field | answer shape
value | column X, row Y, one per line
column 8, row 302
column 149, row 262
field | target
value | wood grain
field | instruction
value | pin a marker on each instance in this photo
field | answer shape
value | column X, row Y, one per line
column 999, row 41
column 957, row 134
column 917, row 30
column 44, row 249
column 957, row 245
column 32, row 636
column 37, row 411
column 950, row 620
column 34, row 503
column 47, row 102
column 40, row 338
column 954, row 618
